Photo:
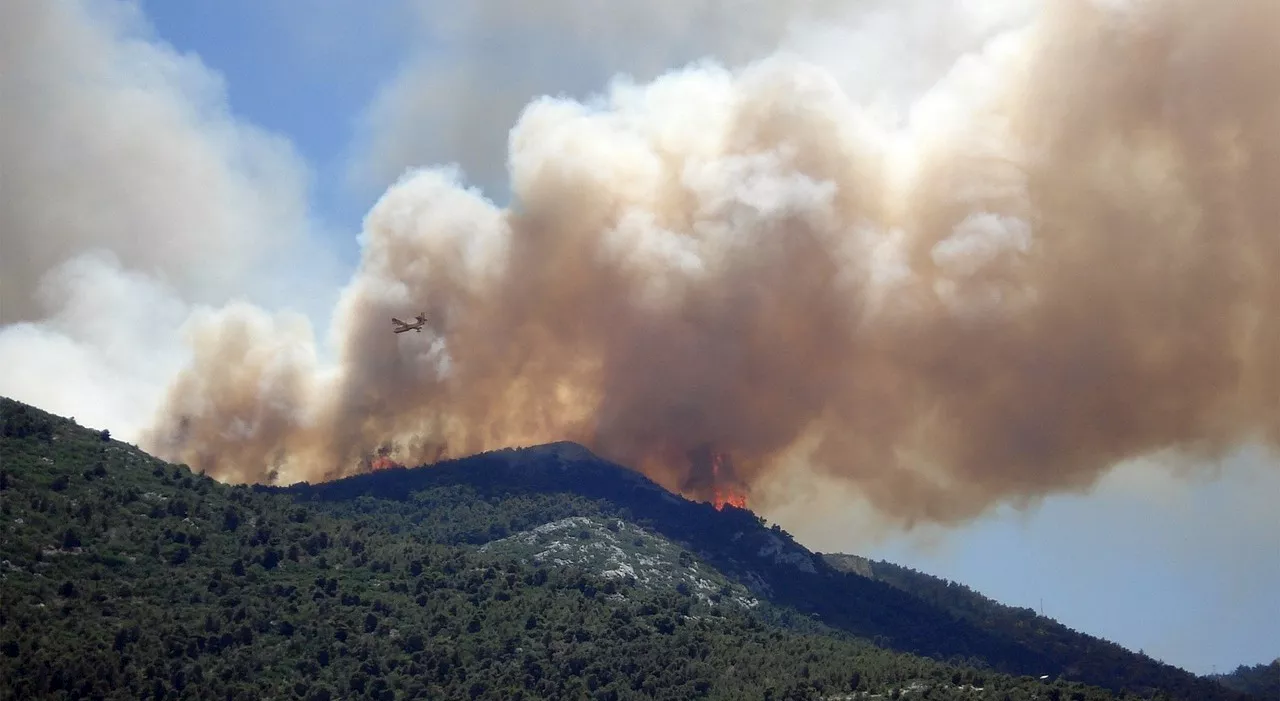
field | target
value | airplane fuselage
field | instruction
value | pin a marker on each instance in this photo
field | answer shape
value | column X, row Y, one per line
column 401, row 326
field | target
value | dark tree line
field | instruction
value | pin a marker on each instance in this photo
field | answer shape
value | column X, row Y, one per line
column 128, row 578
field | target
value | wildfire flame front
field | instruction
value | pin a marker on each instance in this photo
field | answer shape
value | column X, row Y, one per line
column 723, row 492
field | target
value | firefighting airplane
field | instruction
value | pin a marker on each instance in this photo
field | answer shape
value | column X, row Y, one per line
column 402, row 326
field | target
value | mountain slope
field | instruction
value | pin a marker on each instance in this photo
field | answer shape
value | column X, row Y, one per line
column 127, row 577
column 1261, row 680
column 1083, row 656
column 487, row 497
column 620, row 551
column 466, row 501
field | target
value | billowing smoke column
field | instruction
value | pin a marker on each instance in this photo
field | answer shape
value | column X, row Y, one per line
column 1065, row 256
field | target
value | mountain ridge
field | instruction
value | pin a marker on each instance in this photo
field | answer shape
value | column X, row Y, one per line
column 126, row 577
column 392, row 545
column 1262, row 680
column 791, row 576
column 959, row 599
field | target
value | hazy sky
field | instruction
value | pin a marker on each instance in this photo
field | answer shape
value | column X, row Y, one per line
column 1183, row 568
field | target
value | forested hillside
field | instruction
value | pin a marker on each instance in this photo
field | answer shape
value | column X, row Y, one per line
column 488, row 496
column 1084, row 656
column 1261, row 680
column 124, row 577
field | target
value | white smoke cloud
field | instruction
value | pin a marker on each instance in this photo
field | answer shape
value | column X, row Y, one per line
column 105, row 351
column 477, row 65
column 128, row 193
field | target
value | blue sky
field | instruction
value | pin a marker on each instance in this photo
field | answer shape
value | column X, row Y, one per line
column 309, row 77
column 1186, row 571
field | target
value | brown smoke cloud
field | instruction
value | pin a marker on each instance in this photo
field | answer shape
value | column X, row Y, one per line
column 1058, row 260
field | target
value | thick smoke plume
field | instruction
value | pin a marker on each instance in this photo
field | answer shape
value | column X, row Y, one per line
column 981, row 269
column 1060, row 258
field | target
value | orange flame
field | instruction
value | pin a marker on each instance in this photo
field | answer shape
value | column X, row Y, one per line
column 722, row 492
column 383, row 462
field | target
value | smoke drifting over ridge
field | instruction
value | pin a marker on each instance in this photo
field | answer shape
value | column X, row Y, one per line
column 1059, row 260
